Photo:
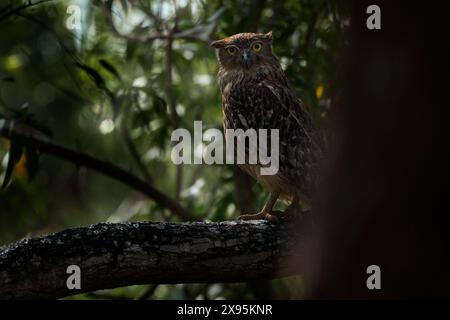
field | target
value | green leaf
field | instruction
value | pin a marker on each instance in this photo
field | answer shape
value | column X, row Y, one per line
column 96, row 77
column 110, row 68
column 15, row 152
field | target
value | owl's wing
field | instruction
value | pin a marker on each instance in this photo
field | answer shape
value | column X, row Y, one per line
column 303, row 145
column 266, row 105
column 284, row 97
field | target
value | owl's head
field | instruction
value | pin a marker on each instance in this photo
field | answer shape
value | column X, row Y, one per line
column 245, row 50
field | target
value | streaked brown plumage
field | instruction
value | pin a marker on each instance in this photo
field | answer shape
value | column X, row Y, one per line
column 256, row 94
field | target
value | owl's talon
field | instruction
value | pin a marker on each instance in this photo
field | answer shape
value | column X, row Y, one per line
column 271, row 218
column 259, row 216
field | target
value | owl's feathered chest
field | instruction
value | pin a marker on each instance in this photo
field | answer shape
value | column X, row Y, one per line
column 247, row 99
column 231, row 79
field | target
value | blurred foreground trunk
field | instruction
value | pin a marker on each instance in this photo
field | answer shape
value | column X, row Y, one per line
column 384, row 196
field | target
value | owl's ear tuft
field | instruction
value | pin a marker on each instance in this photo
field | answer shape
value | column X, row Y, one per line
column 217, row 44
column 268, row 36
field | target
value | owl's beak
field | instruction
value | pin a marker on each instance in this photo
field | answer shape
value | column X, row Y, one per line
column 245, row 58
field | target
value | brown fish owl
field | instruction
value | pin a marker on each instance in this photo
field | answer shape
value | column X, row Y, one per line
column 257, row 95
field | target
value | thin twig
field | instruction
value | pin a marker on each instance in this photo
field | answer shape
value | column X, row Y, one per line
column 125, row 132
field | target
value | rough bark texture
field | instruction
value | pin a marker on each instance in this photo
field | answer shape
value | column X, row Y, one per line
column 114, row 255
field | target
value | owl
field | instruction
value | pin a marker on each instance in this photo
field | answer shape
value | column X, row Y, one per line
column 256, row 94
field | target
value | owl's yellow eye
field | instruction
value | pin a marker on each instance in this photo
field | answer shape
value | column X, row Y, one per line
column 257, row 47
column 231, row 50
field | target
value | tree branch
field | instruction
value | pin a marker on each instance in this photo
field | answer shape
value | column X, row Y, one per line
column 7, row 130
column 200, row 33
column 115, row 255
